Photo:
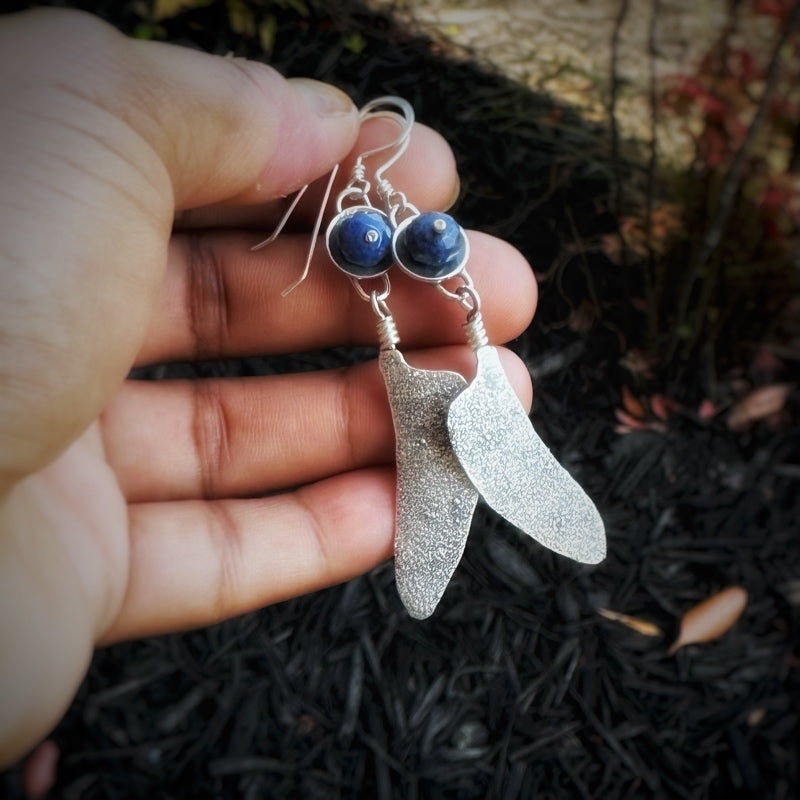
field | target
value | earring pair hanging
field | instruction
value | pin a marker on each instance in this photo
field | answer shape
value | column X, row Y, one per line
column 454, row 440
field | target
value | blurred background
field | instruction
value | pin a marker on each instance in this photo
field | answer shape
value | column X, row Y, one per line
column 645, row 157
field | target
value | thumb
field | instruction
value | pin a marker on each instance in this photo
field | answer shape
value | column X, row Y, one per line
column 231, row 128
column 104, row 137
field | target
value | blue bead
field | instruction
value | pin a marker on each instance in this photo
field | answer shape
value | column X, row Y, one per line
column 360, row 243
column 432, row 246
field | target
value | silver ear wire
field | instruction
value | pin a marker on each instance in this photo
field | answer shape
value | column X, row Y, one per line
column 314, row 233
column 358, row 186
column 283, row 220
column 377, row 109
column 359, row 237
column 395, row 203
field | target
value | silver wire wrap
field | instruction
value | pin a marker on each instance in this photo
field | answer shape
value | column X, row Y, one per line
column 357, row 187
column 476, row 333
column 387, row 330
column 396, row 203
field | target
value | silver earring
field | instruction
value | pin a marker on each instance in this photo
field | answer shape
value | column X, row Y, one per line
column 454, row 440
column 435, row 499
column 491, row 442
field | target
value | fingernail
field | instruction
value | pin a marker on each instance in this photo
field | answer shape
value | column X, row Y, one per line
column 324, row 99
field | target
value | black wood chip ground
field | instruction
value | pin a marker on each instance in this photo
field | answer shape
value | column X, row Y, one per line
column 516, row 688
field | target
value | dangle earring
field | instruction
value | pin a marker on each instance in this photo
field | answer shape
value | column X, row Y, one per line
column 489, row 433
column 454, row 440
column 435, row 499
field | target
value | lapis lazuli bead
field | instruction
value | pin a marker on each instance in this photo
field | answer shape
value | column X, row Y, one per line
column 432, row 246
column 361, row 243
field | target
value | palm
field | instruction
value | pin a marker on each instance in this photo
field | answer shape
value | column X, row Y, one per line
column 132, row 508
column 81, row 518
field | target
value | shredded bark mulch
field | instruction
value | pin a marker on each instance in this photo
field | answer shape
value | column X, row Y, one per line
column 517, row 687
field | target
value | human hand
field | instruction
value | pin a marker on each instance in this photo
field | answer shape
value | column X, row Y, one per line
column 130, row 172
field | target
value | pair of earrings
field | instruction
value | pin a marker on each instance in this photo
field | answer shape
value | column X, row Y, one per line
column 454, row 440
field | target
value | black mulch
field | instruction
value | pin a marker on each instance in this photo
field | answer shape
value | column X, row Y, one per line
column 516, row 688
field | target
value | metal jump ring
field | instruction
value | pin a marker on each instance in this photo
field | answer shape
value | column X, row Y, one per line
column 380, row 296
column 379, row 306
column 467, row 289
column 470, row 301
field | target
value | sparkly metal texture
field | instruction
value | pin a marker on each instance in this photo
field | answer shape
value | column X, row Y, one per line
column 515, row 472
column 431, row 246
column 435, row 499
column 359, row 242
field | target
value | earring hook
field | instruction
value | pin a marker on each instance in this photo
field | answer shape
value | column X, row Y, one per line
column 405, row 118
column 374, row 109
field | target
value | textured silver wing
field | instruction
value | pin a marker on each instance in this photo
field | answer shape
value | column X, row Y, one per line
column 515, row 472
column 435, row 499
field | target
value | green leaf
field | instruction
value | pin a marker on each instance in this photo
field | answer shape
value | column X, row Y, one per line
column 354, row 42
column 267, row 32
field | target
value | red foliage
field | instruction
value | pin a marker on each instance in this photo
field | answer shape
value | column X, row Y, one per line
column 773, row 8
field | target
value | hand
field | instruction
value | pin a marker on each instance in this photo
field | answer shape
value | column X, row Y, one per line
column 129, row 172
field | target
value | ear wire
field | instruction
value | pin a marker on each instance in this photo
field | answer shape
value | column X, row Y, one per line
column 358, row 186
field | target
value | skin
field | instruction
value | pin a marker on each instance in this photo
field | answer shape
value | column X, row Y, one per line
column 129, row 175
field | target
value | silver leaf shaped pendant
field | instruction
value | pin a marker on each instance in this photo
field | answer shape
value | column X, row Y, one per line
column 512, row 468
column 435, row 499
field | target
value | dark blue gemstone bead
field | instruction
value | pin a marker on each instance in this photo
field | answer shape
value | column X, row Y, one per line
column 433, row 246
column 361, row 243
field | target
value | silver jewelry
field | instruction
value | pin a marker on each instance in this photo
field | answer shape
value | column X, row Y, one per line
column 454, row 440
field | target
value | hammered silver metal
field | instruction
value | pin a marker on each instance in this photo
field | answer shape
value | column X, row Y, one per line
column 435, row 499
column 512, row 468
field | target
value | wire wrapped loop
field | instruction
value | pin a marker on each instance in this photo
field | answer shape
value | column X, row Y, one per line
column 387, row 330
column 395, row 202
column 476, row 333
column 357, row 189
column 388, row 337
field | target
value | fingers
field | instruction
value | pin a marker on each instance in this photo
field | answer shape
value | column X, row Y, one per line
column 103, row 137
column 195, row 563
column 237, row 130
column 231, row 438
column 221, row 300
column 426, row 172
